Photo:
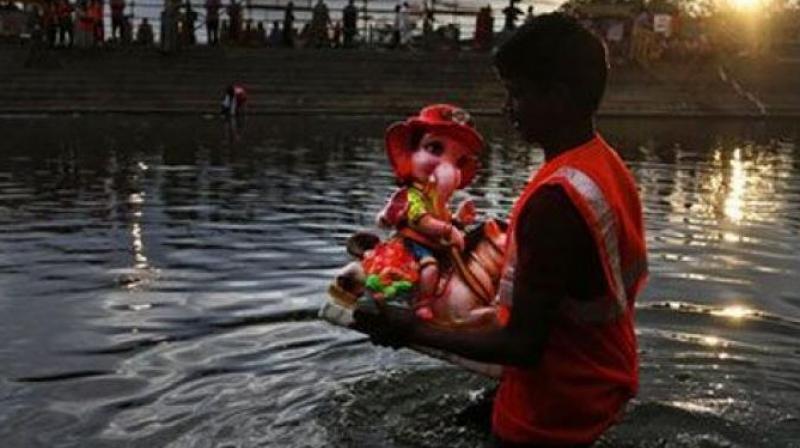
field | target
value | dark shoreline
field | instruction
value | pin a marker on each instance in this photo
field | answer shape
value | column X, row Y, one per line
column 370, row 83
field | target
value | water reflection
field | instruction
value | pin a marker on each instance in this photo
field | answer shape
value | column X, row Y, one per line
column 735, row 312
column 734, row 201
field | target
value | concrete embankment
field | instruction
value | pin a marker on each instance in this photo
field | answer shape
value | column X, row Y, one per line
column 137, row 80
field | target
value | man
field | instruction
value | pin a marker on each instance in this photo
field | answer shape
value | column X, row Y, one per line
column 288, row 25
column 484, row 28
column 276, row 35
column 65, row 23
column 169, row 27
column 405, row 25
column 144, row 34
column 320, row 20
column 511, row 12
column 235, row 17
column 50, row 23
column 117, row 18
column 96, row 14
column 350, row 23
column 398, row 26
column 212, row 21
column 234, row 102
column 575, row 260
column 189, row 18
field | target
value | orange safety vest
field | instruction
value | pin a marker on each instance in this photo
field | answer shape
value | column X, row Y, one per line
column 589, row 365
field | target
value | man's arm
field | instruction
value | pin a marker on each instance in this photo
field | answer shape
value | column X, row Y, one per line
column 551, row 236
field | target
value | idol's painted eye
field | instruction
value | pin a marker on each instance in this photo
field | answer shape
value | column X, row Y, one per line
column 435, row 148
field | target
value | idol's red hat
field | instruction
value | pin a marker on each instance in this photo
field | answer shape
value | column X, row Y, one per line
column 441, row 118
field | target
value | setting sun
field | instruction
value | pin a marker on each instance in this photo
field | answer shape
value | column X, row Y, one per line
column 746, row 5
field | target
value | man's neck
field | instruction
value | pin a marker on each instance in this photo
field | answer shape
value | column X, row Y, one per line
column 567, row 137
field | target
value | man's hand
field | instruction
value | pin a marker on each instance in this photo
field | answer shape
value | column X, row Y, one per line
column 389, row 325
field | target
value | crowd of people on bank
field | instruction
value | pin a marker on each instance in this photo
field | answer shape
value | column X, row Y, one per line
column 82, row 23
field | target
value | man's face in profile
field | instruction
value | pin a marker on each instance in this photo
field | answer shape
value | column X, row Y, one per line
column 530, row 109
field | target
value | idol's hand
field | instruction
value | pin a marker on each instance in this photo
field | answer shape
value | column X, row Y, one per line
column 466, row 212
column 456, row 239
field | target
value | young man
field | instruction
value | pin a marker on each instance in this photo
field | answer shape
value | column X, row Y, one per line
column 212, row 21
column 117, row 18
column 350, row 23
column 576, row 258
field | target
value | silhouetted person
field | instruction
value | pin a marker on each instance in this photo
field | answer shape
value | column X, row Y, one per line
column 65, row 23
column 484, row 29
column 261, row 34
column 288, row 25
column 336, row 40
column 117, row 18
column 96, row 14
column 84, row 33
column 235, row 17
column 427, row 22
column 529, row 16
column 250, row 33
column 234, row 101
column 233, row 109
column 405, row 24
column 275, row 35
column 169, row 27
column 511, row 12
column 212, row 21
column 127, row 30
column 224, row 31
column 144, row 34
column 320, row 19
column 349, row 23
column 398, row 23
column 189, row 19
column 50, row 22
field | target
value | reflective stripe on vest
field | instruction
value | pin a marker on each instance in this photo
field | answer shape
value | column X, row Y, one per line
column 606, row 225
column 599, row 310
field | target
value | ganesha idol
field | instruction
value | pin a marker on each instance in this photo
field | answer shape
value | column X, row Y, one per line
column 443, row 266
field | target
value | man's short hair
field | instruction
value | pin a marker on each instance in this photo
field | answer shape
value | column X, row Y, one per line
column 556, row 48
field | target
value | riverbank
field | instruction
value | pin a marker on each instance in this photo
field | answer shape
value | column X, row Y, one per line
column 138, row 80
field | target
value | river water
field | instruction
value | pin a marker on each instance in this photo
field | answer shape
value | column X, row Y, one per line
column 159, row 283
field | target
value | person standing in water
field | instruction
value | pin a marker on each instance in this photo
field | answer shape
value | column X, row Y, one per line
column 234, row 101
column 576, row 257
column 233, row 110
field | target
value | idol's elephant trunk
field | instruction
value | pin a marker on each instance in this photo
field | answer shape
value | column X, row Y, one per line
column 446, row 178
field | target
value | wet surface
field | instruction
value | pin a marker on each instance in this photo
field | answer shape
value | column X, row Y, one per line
column 159, row 286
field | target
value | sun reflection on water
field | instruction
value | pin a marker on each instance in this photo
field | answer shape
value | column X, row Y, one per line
column 142, row 271
column 735, row 312
column 734, row 202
